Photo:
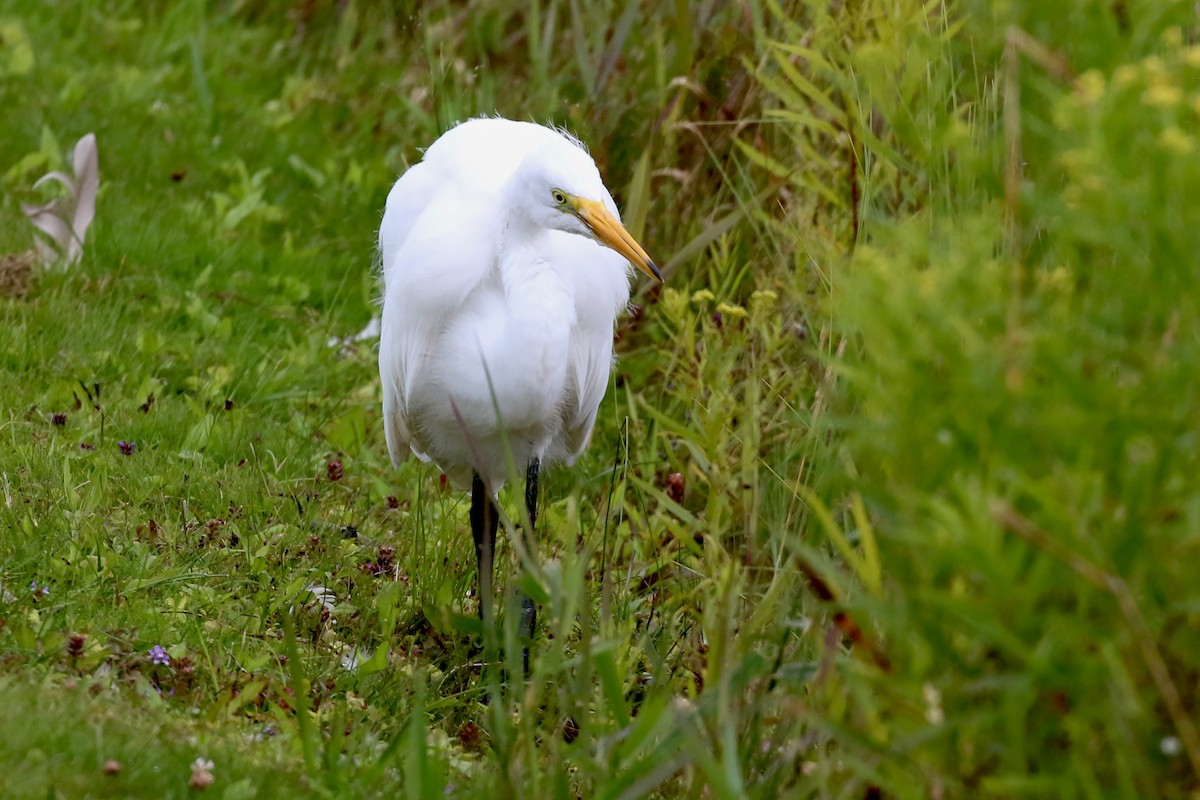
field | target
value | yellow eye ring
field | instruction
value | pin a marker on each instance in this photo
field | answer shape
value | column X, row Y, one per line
column 559, row 196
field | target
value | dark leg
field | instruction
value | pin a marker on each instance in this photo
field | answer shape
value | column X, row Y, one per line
column 528, row 609
column 484, row 522
column 531, row 493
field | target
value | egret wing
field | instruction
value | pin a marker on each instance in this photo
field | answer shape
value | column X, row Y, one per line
column 409, row 197
column 406, row 201
column 433, row 261
column 591, row 360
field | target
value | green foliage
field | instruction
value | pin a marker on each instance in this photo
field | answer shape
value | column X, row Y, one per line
column 892, row 495
column 1021, row 417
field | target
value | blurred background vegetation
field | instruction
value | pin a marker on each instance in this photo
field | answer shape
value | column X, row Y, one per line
column 894, row 493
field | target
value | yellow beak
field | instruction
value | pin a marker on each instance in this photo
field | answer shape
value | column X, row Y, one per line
column 612, row 233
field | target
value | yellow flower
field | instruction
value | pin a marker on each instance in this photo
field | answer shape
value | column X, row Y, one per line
column 703, row 296
column 1124, row 76
column 1176, row 141
column 1091, row 182
column 674, row 302
column 1055, row 280
column 763, row 297
column 731, row 311
column 1078, row 161
column 1162, row 95
column 1090, row 86
column 1153, row 67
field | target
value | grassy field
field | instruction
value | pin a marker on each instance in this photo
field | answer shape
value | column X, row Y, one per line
column 895, row 492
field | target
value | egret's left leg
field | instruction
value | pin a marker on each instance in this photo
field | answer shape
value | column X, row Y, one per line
column 528, row 609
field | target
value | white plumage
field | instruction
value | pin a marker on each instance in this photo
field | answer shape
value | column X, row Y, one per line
column 504, row 268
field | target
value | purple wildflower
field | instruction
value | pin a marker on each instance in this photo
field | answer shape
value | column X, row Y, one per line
column 159, row 656
column 38, row 591
column 127, row 448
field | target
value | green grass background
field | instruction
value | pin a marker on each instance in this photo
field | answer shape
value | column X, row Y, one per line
column 894, row 493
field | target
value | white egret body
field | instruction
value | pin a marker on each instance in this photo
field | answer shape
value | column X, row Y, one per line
column 504, row 268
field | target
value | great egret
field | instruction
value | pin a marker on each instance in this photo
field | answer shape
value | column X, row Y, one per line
column 505, row 265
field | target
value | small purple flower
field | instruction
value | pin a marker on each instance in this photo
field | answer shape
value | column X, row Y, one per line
column 127, row 448
column 159, row 656
column 334, row 470
column 39, row 591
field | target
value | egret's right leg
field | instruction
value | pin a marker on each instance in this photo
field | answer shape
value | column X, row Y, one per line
column 528, row 608
column 484, row 523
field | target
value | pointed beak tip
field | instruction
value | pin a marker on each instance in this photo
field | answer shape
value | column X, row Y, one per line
column 654, row 270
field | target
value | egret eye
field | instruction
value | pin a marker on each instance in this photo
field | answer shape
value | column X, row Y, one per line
column 559, row 196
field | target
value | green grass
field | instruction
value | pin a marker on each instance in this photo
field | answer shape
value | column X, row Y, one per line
column 893, row 493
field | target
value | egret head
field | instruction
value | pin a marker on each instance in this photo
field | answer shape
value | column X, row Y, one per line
column 561, row 189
